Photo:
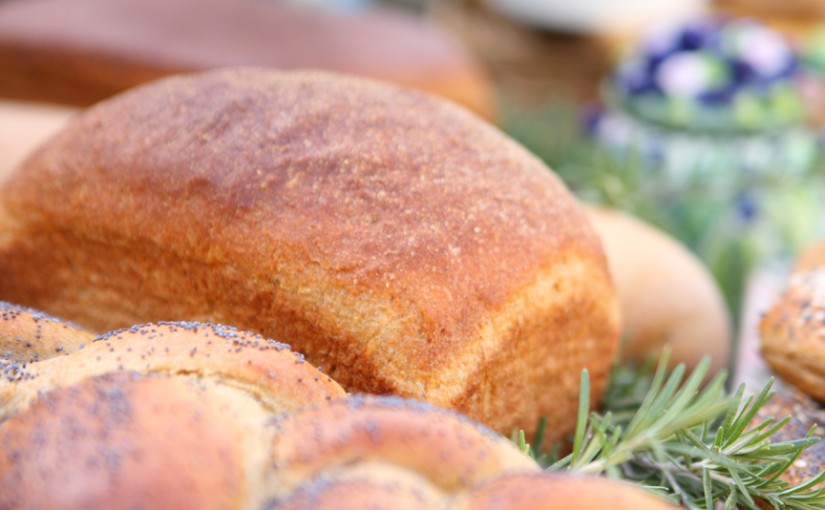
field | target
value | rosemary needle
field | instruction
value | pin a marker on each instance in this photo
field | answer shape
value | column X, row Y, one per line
column 694, row 441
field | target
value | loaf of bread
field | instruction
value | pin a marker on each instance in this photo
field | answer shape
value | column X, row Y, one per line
column 667, row 296
column 81, row 51
column 791, row 333
column 200, row 416
column 400, row 243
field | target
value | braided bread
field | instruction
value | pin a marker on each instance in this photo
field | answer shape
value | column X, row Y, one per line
column 241, row 422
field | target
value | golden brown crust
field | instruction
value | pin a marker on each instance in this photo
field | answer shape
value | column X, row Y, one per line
column 397, row 241
column 82, row 51
column 551, row 492
column 792, row 333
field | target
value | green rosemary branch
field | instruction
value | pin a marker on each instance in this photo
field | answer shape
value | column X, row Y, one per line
column 692, row 441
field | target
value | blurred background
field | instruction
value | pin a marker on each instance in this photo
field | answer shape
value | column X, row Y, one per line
column 702, row 118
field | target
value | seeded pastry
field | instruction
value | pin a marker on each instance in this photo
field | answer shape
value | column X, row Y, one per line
column 792, row 333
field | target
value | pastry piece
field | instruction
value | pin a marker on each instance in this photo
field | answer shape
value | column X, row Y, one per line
column 400, row 243
column 792, row 333
column 81, row 51
column 667, row 296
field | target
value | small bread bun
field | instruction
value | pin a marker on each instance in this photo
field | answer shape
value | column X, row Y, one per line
column 792, row 331
column 82, row 51
column 666, row 294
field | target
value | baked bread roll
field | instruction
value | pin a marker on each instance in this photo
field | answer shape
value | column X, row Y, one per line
column 400, row 243
column 791, row 333
column 81, row 51
column 667, row 296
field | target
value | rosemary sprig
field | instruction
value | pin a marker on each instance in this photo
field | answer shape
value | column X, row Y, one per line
column 692, row 441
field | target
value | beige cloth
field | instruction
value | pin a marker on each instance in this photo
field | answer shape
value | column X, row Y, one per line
column 23, row 126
